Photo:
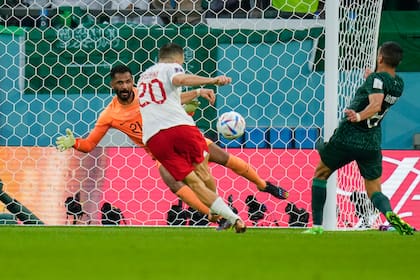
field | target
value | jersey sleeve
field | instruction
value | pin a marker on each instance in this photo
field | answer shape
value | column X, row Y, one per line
column 95, row 136
column 375, row 84
column 174, row 70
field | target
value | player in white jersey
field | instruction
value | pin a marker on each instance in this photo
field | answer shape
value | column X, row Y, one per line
column 160, row 100
column 171, row 134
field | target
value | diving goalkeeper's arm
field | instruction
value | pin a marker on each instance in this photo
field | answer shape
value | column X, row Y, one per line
column 81, row 144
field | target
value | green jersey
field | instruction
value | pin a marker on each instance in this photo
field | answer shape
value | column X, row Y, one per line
column 367, row 134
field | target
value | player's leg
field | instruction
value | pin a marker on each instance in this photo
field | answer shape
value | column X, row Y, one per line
column 370, row 166
column 184, row 192
column 319, row 196
column 216, row 203
column 242, row 168
column 374, row 192
column 180, row 150
column 206, row 177
column 172, row 165
column 203, row 172
column 332, row 158
column 382, row 203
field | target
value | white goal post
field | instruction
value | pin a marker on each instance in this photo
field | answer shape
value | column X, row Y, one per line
column 294, row 65
column 352, row 33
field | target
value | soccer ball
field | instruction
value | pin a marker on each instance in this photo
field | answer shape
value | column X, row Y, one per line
column 231, row 125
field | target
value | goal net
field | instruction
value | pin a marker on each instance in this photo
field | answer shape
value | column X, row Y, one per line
column 55, row 75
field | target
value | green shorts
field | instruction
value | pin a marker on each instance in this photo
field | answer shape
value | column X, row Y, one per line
column 335, row 155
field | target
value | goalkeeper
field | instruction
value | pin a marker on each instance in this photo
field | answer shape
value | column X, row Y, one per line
column 123, row 113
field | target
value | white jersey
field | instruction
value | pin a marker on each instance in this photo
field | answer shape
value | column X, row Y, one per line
column 160, row 100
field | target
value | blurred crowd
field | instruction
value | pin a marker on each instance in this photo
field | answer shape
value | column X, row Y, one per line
column 172, row 11
column 168, row 11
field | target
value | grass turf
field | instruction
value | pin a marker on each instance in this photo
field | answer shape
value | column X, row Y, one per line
column 203, row 253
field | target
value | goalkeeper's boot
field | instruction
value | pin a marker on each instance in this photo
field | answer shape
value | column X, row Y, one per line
column 402, row 227
column 276, row 191
column 314, row 230
column 239, row 226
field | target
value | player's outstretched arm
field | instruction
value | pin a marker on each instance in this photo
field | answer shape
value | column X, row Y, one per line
column 83, row 145
column 195, row 80
column 187, row 97
column 222, row 80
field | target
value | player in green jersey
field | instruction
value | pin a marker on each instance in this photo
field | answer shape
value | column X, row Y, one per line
column 358, row 137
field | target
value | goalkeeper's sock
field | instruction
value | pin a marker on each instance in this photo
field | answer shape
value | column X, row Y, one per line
column 381, row 202
column 220, row 207
column 242, row 168
column 189, row 197
column 319, row 195
column 18, row 209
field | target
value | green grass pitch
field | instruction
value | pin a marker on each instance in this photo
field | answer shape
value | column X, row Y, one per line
column 203, row 253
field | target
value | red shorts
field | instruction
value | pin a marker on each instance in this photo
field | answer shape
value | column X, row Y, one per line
column 178, row 149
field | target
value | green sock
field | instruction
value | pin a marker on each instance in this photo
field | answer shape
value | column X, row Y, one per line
column 381, row 202
column 319, row 195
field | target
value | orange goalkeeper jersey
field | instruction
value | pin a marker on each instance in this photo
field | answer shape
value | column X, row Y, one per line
column 126, row 118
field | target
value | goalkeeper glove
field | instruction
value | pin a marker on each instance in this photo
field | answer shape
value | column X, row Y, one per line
column 191, row 107
column 65, row 142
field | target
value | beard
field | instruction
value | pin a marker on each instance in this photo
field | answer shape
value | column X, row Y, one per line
column 124, row 95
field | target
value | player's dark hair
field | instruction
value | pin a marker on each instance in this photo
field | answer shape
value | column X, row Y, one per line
column 392, row 53
column 119, row 69
column 170, row 50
